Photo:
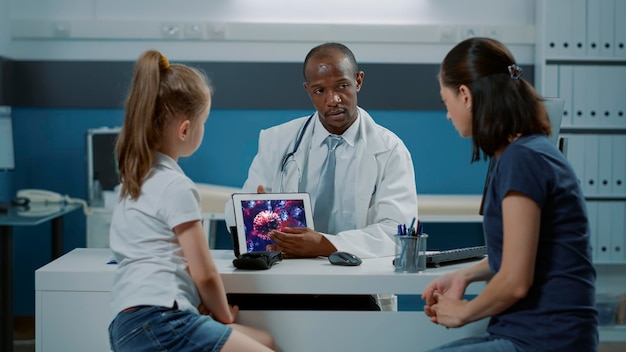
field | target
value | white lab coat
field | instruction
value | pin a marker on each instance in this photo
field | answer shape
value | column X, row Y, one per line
column 385, row 184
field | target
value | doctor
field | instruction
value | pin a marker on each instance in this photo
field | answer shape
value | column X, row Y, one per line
column 374, row 177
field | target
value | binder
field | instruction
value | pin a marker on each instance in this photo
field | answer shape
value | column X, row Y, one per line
column 592, row 217
column 575, row 154
column 619, row 167
column 606, row 97
column 552, row 27
column 566, row 76
column 620, row 28
column 579, row 96
column 591, row 85
column 551, row 81
column 607, row 27
column 619, row 115
column 605, row 165
column 578, row 27
column 618, row 234
column 593, row 28
column 603, row 235
column 569, row 15
column 590, row 172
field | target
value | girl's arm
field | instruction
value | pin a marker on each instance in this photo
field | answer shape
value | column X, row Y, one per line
column 521, row 222
column 203, row 271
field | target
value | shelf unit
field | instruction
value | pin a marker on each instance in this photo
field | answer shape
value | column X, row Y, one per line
column 580, row 55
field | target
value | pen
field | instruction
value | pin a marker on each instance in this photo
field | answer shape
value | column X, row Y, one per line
column 411, row 227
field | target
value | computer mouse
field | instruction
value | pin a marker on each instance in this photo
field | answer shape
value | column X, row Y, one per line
column 344, row 258
column 20, row 201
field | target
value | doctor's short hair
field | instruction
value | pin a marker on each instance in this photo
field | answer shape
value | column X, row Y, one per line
column 327, row 49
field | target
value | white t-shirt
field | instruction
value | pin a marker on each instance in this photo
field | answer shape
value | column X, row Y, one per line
column 151, row 267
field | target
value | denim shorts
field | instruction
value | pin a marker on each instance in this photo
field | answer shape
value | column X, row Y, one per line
column 479, row 343
column 152, row 328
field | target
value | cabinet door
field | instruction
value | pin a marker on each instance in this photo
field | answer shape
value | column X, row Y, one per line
column 73, row 321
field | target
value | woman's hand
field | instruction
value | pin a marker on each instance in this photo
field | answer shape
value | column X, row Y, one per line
column 448, row 312
column 451, row 285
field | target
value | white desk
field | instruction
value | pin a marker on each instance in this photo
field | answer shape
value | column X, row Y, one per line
column 72, row 304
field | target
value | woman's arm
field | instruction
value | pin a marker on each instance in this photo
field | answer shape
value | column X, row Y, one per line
column 203, row 271
column 521, row 222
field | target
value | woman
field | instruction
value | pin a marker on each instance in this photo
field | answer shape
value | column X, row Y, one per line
column 540, row 290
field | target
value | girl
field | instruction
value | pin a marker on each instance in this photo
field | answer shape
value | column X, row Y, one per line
column 540, row 290
column 165, row 270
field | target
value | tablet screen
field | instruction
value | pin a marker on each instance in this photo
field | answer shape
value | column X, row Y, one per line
column 257, row 215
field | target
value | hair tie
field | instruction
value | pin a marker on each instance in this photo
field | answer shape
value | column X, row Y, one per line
column 164, row 63
column 515, row 71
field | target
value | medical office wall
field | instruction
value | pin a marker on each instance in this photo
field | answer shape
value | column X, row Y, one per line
column 67, row 64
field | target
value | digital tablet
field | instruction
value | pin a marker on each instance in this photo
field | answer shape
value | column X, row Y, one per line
column 258, row 214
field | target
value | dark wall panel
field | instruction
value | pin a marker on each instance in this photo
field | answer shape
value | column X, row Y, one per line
column 92, row 84
column 6, row 80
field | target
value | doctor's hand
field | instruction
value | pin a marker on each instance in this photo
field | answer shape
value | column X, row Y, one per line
column 260, row 189
column 300, row 242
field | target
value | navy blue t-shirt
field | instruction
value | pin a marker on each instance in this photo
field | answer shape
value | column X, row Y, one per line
column 558, row 314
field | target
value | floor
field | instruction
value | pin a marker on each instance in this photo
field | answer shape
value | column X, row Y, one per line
column 24, row 334
column 29, row 346
column 24, row 346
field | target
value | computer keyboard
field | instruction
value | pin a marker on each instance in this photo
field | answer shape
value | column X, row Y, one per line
column 436, row 259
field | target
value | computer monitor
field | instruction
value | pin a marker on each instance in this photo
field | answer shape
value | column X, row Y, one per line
column 7, row 154
column 555, row 107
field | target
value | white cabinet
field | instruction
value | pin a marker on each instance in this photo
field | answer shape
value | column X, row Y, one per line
column 581, row 56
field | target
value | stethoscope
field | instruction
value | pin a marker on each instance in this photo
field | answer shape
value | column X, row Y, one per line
column 295, row 147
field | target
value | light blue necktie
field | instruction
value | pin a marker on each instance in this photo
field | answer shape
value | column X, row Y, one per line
column 326, row 188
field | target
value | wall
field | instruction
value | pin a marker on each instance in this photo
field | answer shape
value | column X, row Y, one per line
column 67, row 78
column 239, row 30
column 5, row 35
column 5, row 29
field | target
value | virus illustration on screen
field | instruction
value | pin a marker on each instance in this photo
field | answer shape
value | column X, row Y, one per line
column 264, row 222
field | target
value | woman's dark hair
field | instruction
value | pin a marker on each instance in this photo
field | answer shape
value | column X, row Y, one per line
column 504, row 105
